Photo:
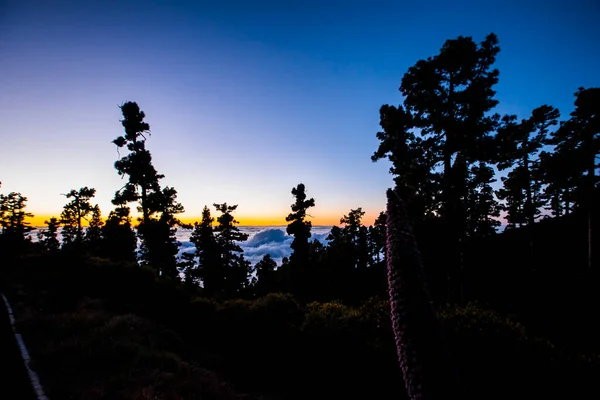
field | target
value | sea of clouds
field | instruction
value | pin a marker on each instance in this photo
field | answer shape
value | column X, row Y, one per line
column 262, row 240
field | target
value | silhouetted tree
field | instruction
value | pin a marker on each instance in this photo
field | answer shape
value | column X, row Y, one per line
column 13, row 223
column 339, row 264
column 93, row 233
column 137, row 165
column 483, row 209
column 265, row 275
column 316, row 250
column 519, row 148
column 74, row 213
column 300, row 229
column 298, row 226
column 450, row 97
column 159, row 245
column 355, row 234
column 158, row 206
column 232, row 262
column 514, row 198
column 187, row 265
column 49, row 236
column 377, row 237
column 352, row 223
column 207, row 270
column 560, row 175
column 13, row 215
column 119, row 242
column 412, row 161
column 578, row 140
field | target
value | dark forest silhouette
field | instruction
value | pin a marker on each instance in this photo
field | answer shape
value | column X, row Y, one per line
column 327, row 304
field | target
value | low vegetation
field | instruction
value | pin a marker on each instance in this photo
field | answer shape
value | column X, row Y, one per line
column 93, row 337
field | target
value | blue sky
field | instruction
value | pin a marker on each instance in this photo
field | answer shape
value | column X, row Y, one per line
column 247, row 99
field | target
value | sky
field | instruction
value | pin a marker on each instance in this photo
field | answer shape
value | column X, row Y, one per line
column 246, row 99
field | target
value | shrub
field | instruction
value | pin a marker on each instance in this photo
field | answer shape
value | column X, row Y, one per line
column 90, row 354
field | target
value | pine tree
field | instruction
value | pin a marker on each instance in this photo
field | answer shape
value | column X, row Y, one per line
column 484, row 210
column 265, row 275
column 49, row 237
column 187, row 265
column 143, row 177
column 93, row 234
column 448, row 100
column 158, row 206
column 450, row 96
column 74, row 213
column 355, row 234
column 519, row 145
column 514, row 199
column 119, row 241
column 207, row 270
column 232, row 262
column 377, row 238
column 299, row 227
column 159, row 245
column 412, row 161
column 13, row 223
column 560, row 176
column 13, row 215
column 578, row 141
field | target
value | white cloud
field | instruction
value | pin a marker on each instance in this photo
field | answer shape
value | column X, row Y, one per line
column 262, row 240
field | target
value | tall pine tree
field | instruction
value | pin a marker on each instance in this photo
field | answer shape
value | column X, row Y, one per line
column 413, row 161
column 158, row 206
column 13, row 215
column 13, row 223
column 74, row 213
column 207, row 270
column 519, row 146
column 300, row 228
column 578, row 142
column 49, row 237
column 235, row 267
column 449, row 98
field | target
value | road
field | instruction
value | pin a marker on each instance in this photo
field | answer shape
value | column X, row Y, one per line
column 14, row 381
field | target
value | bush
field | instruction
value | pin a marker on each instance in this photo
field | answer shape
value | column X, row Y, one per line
column 278, row 311
column 498, row 359
column 93, row 355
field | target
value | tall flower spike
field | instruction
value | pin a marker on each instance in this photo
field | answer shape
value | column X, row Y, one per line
column 422, row 352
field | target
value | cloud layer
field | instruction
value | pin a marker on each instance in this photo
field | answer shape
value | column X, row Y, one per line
column 261, row 240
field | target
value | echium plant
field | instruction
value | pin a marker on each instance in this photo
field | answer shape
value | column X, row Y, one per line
column 422, row 352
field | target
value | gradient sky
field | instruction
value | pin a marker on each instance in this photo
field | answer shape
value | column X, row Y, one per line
column 246, row 99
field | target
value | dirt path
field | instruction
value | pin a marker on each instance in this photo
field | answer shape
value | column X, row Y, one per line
column 14, row 380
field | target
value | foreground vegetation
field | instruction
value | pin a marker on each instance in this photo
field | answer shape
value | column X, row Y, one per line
column 138, row 337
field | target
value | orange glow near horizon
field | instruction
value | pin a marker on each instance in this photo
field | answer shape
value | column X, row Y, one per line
column 39, row 220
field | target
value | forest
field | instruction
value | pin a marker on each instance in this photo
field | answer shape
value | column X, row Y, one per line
column 501, row 210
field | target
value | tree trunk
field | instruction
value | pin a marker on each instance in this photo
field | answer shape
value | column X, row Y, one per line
column 448, row 217
column 79, row 233
column 589, row 239
column 145, row 212
column 590, row 206
column 529, row 209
